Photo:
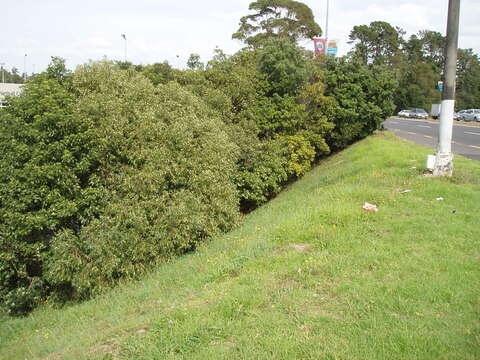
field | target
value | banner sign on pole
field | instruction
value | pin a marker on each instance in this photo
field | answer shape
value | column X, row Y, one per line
column 319, row 46
column 332, row 48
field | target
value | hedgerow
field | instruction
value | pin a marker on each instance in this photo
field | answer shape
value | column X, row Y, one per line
column 124, row 176
column 113, row 169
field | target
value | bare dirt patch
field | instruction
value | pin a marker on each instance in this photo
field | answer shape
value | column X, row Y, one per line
column 141, row 331
column 302, row 248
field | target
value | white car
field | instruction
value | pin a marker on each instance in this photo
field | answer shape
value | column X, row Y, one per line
column 404, row 113
column 470, row 115
column 419, row 114
column 460, row 115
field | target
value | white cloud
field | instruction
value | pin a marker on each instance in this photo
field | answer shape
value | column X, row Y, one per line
column 159, row 30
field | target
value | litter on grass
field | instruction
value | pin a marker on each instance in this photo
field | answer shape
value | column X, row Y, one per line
column 405, row 191
column 370, row 207
column 439, row 198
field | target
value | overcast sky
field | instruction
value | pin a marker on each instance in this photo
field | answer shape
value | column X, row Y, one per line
column 159, row 30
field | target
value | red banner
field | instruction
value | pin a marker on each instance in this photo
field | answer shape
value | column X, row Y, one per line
column 319, row 46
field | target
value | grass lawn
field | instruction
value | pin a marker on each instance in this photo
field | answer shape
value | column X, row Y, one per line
column 308, row 276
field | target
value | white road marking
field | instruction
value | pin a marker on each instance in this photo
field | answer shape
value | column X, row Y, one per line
column 473, row 146
column 409, row 132
column 393, row 122
column 468, row 132
column 425, row 126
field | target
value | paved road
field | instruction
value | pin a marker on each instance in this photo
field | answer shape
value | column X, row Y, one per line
column 465, row 139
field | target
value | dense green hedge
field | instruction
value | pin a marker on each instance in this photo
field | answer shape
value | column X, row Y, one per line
column 114, row 168
column 105, row 177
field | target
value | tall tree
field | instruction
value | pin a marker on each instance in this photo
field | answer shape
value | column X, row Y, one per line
column 433, row 45
column 378, row 43
column 468, row 79
column 277, row 18
column 194, row 62
column 417, row 86
column 426, row 46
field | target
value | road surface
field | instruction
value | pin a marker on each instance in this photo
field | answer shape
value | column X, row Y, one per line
column 465, row 139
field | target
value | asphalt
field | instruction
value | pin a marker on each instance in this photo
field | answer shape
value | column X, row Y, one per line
column 465, row 138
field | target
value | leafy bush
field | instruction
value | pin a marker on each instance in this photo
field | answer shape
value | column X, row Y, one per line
column 262, row 171
column 284, row 64
column 173, row 189
column 364, row 97
column 234, row 90
column 299, row 155
column 319, row 110
column 48, row 154
column 105, row 175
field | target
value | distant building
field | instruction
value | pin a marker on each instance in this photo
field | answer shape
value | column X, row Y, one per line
column 9, row 90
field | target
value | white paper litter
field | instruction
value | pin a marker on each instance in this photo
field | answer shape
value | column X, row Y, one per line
column 370, row 207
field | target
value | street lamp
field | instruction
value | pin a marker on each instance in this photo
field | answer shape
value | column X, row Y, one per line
column 124, row 37
column 326, row 23
column 25, row 67
column 3, row 73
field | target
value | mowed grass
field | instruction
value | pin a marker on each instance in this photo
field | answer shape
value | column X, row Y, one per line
column 310, row 275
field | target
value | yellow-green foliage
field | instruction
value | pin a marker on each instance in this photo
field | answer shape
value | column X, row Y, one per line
column 300, row 155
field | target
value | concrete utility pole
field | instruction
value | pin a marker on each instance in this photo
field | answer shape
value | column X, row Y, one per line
column 443, row 165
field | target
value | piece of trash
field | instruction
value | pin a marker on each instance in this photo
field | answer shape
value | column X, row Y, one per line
column 413, row 167
column 370, row 207
column 439, row 198
column 405, row 191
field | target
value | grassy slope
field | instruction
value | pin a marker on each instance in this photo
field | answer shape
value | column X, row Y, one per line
column 402, row 283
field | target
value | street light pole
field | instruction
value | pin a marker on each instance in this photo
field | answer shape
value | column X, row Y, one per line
column 3, row 73
column 444, row 159
column 25, row 67
column 125, row 55
column 326, row 23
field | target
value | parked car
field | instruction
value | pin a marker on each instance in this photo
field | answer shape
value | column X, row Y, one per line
column 419, row 114
column 404, row 113
column 460, row 115
column 457, row 116
column 470, row 115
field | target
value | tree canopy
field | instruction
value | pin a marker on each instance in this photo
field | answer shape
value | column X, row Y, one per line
column 277, row 18
column 378, row 43
column 468, row 79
